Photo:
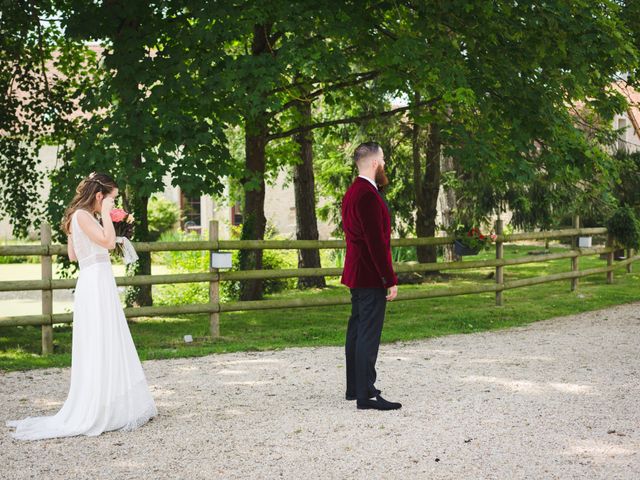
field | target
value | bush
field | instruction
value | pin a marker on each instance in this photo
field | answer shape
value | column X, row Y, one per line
column 182, row 262
column 198, row 261
column 337, row 256
column 623, row 225
column 8, row 259
column 403, row 254
column 271, row 260
column 163, row 215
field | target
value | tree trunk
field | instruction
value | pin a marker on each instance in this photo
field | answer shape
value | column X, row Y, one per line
column 427, row 187
column 137, row 204
column 448, row 204
column 127, row 47
column 304, row 187
column 254, row 221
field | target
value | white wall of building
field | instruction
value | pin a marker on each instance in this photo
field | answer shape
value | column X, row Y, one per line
column 628, row 137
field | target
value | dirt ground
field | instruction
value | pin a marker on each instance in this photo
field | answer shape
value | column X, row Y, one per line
column 555, row 399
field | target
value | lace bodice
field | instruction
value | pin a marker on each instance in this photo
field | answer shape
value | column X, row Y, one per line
column 87, row 251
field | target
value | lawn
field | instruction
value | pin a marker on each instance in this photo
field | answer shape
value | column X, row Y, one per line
column 406, row 320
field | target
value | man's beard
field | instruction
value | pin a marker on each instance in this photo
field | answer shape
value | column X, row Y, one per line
column 381, row 178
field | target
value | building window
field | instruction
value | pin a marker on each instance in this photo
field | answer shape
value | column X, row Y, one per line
column 190, row 207
column 236, row 214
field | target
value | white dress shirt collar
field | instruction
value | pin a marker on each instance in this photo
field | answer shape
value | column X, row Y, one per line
column 369, row 180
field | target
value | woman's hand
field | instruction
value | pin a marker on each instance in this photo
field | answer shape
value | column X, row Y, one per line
column 107, row 205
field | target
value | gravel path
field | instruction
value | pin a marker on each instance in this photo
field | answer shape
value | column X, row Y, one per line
column 555, row 399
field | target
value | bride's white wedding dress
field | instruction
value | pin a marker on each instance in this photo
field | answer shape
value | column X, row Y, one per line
column 108, row 387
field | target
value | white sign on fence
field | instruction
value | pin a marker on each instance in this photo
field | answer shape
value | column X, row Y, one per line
column 220, row 259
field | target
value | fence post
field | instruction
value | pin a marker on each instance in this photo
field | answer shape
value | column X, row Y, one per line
column 47, row 294
column 630, row 253
column 214, row 285
column 610, row 244
column 499, row 256
column 575, row 261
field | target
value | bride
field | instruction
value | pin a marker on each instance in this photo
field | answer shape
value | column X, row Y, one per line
column 108, row 387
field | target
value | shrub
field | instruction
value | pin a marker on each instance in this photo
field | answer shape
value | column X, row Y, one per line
column 337, row 256
column 182, row 262
column 163, row 215
column 403, row 254
column 198, row 261
column 8, row 259
column 472, row 237
column 623, row 225
column 271, row 260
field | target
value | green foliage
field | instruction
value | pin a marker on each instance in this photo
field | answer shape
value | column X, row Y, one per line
column 631, row 17
column 496, row 77
column 187, row 261
column 624, row 226
column 164, row 216
column 271, row 260
column 403, row 254
column 196, row 261
column 9, row 259
column 147, row 116
column 41, row 72
column 335, row 170
column 472, row 237
column 336, row 256
column 627, row 187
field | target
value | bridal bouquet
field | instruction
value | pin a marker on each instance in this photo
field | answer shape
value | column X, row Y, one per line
column 123, row 225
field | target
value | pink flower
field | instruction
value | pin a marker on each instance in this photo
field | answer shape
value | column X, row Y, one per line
column 118, row 215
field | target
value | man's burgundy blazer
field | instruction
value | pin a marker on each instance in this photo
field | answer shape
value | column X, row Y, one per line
column 367, row 230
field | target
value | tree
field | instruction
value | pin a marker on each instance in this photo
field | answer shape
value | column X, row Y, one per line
column 317, row 42
column 305, row 195
column 506, row 74
column 146, row 118
column 41, row 72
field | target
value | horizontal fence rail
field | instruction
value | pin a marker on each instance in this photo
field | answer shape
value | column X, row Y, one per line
column 47, row 284
column 43, row 250
column 65, row 284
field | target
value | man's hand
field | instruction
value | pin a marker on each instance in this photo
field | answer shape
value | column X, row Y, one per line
column 392, row 293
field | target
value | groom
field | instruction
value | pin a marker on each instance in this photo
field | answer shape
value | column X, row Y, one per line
column 369, row 274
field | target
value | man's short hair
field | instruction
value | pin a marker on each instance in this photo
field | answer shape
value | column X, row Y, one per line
column 364, row 150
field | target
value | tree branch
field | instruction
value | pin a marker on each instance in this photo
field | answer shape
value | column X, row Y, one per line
column 307, row 82
column 342, row 121
column 274, row 38
column 346, row 83
column 387, row 32
column 42, row 62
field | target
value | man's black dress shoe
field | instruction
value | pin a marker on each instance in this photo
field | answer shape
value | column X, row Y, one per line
column 378, row 404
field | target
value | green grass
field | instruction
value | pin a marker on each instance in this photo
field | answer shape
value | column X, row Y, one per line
column 408, row 320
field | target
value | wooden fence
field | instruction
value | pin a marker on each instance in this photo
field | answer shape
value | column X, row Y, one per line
column 214, row 307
